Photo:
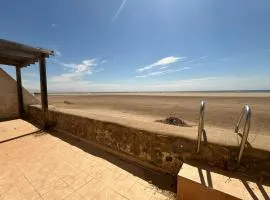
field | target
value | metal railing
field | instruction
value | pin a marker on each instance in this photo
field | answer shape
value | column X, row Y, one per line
column 247, row 112
column 200, row 126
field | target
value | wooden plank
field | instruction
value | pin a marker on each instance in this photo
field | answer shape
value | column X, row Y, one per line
column 17, row 54
column 43, row 89
column 5, row 61
column 16, row 62
column 24, row 48
column 19, row 91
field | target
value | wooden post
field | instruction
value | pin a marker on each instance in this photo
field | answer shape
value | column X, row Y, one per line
column 19, row 91
column 43, row 89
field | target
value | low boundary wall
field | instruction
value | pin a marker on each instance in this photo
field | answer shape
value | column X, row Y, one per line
column 151, row 149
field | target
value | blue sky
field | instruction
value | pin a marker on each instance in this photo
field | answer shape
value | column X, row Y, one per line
column 139, row 45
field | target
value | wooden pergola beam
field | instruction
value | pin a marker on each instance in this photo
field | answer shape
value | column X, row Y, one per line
column 43, row 89
column 17, row 54
column 20, row 55
column 19, row 91
column 9, row 45
column 17, row 61
column 6, row 61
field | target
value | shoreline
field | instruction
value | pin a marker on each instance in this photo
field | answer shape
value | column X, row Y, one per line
column 187, row 94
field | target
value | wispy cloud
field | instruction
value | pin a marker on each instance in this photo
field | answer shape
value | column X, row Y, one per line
column 57, row 53
column 103, row 62
column 85, row 67
column 119, row 10
column 76, row 72
column 54, row 25
column 164, row 72
column 199, row 59
column 162, row 63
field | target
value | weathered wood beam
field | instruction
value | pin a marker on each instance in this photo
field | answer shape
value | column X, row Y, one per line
column 19, row 91
column 5, row 61
column 15, row 61
column 43, row 89
column 24, row 48
column 17, row 54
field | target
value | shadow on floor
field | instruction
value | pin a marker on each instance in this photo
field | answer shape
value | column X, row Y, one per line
column 164, row 182
column 207, row 182
column 252, row 194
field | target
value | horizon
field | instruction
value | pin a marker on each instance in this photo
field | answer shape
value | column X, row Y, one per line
column 144, row 46
column 191, row 91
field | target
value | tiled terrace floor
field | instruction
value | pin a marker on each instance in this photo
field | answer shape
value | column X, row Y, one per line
column 15, row 128
column 43, row 166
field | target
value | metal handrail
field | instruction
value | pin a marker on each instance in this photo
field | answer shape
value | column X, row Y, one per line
column 200, row 126
column 247, row 112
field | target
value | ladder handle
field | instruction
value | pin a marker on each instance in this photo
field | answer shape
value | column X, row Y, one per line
column 247, row 112
column 200, row 126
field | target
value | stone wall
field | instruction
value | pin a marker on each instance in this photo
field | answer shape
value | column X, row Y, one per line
column 151, row 149
column 9, row 99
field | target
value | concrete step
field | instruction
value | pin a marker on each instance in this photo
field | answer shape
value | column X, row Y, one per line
column 200, row 183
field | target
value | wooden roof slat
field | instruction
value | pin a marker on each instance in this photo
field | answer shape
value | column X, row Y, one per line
column 24, row 48
column 19, row 62
column 5, row 61
column 17, row 54
column 12, row 53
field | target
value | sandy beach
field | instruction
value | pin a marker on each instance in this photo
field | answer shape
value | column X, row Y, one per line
column 222, row 109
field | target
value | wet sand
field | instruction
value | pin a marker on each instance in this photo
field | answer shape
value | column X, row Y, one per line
column 222, row 109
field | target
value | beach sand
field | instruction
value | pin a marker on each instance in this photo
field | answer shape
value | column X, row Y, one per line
column 222, row 109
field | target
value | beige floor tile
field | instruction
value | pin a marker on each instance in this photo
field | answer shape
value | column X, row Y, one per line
column 78, row 180
column 21, row 190
column 54, row 163
column 123, row 183
column 6, row 187
column 86, row 164
column 46, row 184
column 48, row 166
column 37, row 174
column 91, row 188
column 59, row 192
column 138, row 191
column 95, row 171
column 74, row 196
column 12, row 196
column 108, row 176
column 9, row 180
column 66, row 171
column 108, row 194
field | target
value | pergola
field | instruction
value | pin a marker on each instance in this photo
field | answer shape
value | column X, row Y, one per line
column 20, row 55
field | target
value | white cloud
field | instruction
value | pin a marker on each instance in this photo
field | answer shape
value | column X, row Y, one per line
column 54, row 25
column 119, row 10
column 164, row 72
column 85, row 67
column 199, row 59
column 161, row 63
column 164, row 67
column 75, row 75
column 67, row 77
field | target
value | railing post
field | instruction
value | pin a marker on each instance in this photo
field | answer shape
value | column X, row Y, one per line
column 200, row 126
column 247, row 112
